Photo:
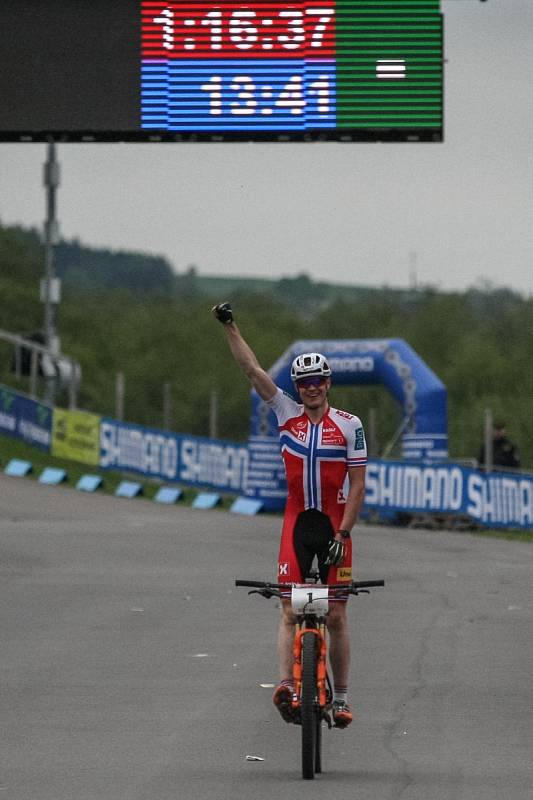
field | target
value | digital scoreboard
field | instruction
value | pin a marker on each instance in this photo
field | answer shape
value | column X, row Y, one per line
column 157, row 70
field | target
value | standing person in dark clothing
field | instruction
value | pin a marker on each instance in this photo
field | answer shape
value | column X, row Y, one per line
column 504, row 452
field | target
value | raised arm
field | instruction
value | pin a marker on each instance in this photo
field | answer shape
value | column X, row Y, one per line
column 243, row 353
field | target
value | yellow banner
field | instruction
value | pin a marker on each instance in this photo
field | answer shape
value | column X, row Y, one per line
column 76, row 435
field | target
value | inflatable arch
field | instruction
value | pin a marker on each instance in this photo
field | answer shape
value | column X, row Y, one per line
column 390, row 362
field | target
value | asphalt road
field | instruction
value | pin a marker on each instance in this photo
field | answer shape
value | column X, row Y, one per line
column 131, row 666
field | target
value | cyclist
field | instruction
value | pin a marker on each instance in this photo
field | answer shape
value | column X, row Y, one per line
column 323, row 450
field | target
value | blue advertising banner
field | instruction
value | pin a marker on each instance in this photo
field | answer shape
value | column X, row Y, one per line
column 494, row 500
column 393, row 487
column 266, row 472
column 133, row 448
column 25, row 419
column 208, row 462
column 155, row 453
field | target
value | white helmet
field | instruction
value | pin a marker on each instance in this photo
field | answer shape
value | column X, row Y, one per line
column 309, row 364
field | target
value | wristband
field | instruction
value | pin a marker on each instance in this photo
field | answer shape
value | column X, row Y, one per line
column 345, row 534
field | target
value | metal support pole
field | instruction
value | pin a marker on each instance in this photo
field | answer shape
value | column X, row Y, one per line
column 33, row 374
column 50, row 289
column 18, row 362
column 75, row 380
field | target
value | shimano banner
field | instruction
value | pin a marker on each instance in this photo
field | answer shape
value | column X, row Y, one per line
column 171, row 457
column 495, row 499
column 390, row 362
column 401, row 487
column 26, row 419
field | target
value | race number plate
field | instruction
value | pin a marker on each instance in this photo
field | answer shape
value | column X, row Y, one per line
column 310, row 600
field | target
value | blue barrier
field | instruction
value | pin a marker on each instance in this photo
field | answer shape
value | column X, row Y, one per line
column 206, row 500
column 246, row 505
column 52, row 476
column 129, row 489
column 89, row 483
column 18, row 468
column 168, row 494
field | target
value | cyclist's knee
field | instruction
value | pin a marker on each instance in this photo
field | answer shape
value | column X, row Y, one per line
column 287, row 614
column 336, row 619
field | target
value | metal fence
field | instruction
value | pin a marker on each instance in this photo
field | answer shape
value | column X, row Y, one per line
column 48, row 372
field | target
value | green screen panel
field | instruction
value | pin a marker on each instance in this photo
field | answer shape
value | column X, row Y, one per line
column 389, row 65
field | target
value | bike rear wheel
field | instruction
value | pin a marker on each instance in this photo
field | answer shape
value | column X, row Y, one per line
column 310, row 717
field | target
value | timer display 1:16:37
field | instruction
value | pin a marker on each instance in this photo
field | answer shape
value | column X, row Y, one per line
column 227, row 30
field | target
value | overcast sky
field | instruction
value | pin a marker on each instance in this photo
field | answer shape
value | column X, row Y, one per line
column 452, row 215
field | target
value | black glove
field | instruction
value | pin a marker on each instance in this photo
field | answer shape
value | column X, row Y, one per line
column 335, row 552
column 223, row 313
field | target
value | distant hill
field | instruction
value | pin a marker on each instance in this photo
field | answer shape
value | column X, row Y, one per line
column 93, row 268
column 300, row 293
column 90, row 267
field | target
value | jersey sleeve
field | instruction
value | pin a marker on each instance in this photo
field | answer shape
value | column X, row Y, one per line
column 284, row 407
column 352, row 429
column 356, row 454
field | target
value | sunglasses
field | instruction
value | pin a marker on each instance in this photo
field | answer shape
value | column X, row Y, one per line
column 306, row 383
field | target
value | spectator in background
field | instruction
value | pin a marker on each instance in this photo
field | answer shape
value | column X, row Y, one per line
column 504, row 452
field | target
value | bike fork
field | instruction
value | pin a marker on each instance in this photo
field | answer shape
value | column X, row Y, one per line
column 321, row 671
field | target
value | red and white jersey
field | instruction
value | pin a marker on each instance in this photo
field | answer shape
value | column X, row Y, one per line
column 317, row 456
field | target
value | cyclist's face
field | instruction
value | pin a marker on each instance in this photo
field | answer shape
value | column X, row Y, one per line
column 313, row 391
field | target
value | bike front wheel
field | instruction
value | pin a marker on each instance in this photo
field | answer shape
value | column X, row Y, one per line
column 310, row 717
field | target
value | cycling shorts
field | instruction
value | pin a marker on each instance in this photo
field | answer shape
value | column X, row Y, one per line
column 308, row 537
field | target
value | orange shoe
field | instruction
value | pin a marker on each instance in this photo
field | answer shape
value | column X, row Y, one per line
column 342, row 716
column 282, row 699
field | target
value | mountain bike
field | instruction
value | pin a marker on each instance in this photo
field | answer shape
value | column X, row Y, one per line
column 312, row 698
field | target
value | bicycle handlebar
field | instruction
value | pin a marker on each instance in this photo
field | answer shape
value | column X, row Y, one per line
column 350, row 587
column 261, row 584
column 357, row 585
